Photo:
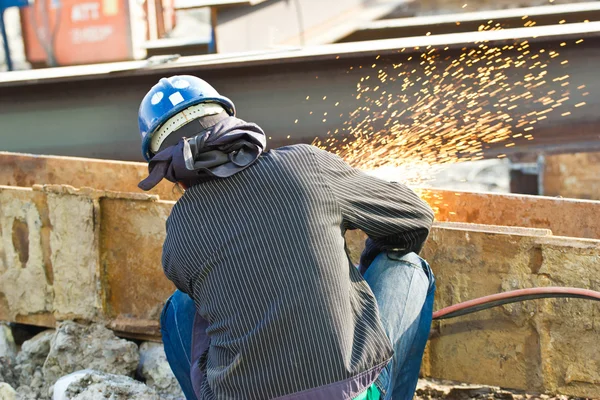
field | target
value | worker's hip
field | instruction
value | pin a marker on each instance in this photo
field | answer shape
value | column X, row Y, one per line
column 404, row 287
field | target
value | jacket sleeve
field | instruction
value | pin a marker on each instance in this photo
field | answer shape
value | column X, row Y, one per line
column 391, row 214
column 174, row 267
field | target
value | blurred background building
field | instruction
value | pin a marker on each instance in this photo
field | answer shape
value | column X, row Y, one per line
column 71, row 32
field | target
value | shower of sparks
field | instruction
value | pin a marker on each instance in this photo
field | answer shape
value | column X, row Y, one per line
column 445, row 109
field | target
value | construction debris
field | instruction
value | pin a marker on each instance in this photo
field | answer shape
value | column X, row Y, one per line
column 86, row 362
column 75, row 347
column 154, row 379
column 156, row 372
column 431, row 389
column 94, row 385
column 7, row 392
column 7, row 372
column 7, row 343
column 30, row 361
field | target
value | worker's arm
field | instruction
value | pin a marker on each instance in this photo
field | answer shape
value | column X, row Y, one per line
column 174, row 266
column 391, row 214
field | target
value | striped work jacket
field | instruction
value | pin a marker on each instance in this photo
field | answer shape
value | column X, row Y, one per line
column 284, row 312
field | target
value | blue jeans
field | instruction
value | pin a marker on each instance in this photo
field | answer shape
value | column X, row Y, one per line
column 403, row 287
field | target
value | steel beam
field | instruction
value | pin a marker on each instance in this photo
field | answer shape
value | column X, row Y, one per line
column 474, row 21
column 91, row 111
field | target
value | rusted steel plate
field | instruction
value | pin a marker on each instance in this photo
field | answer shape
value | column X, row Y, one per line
column 564, row 217
column 26, row 273
column 131, row 238
column 82, row 254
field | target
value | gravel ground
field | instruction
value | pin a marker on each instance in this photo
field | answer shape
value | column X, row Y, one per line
column 430, row 389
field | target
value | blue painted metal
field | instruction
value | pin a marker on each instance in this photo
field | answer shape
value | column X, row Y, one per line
column 4, row 4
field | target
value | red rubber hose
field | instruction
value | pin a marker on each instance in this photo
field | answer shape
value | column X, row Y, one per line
column 513, row 296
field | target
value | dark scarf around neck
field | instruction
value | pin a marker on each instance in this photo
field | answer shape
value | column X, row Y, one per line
column 220, row 151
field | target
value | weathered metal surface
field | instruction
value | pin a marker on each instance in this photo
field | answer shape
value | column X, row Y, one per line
column 26, row 170
column 546, row 345
column 572, row 175
column 474, row 21
column 95, row 115
column 538, row 345
column 82, row 254
column 563, row 216
column 131, row 236
column 104, row 250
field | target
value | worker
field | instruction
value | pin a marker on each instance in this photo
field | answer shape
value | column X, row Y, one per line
column 269, row 304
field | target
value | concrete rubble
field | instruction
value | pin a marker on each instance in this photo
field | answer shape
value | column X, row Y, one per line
column 75, row 347
column 7, row 372
column 7, row 343
column 29, row 363
column 431, row 389
column 7, row 392
column 155, row 371
column 97, row 363
column 94, row 385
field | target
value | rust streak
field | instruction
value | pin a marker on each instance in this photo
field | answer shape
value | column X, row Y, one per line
column 20, row 239
column 45, row 231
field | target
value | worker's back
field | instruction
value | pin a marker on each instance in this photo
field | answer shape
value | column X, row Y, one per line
column 262, row 254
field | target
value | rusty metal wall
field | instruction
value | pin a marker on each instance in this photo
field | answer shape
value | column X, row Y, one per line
column 95, row 255
column 563, row 216
column 82, row 254
column 548, row 345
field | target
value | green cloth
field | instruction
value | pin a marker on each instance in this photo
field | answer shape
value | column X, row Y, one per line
column 372, row 393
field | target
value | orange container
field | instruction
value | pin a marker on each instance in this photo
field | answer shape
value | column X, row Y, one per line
column 69, row 32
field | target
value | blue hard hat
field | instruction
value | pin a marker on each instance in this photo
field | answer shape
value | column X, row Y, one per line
column 170, row 96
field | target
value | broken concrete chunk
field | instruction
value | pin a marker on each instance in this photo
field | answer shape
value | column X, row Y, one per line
column 154, row 369
column 33, row 353
column 470, row 392
column 26, row 393
column 75, row 347
column 7, row 392
column 59, row 390
column 7, row 371
column 8, row 348
column 95, row 385
column 30, row 361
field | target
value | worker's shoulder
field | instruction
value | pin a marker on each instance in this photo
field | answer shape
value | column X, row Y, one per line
column 189, row 199
column 299, row 149
column 294, row 148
